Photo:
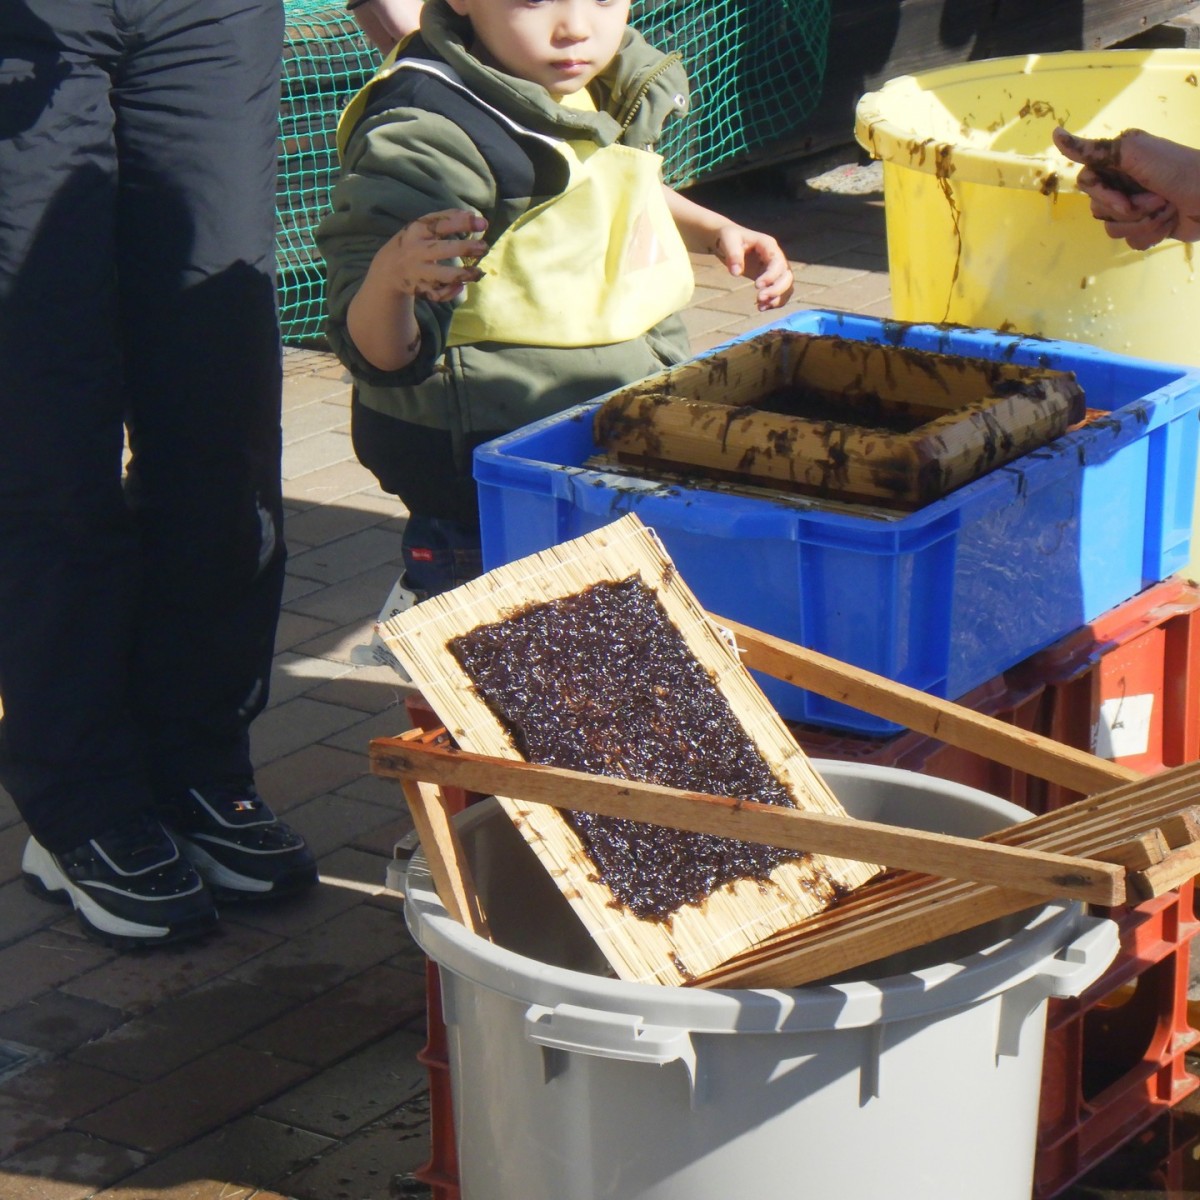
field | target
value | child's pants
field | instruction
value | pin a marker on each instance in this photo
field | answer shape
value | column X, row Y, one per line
column 137, row 171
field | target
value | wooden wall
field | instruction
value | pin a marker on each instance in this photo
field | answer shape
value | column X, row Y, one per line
column 871, row 41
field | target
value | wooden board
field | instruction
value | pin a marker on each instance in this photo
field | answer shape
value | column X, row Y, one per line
column 696, row 938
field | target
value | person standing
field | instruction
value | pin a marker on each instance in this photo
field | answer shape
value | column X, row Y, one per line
column 138, row 608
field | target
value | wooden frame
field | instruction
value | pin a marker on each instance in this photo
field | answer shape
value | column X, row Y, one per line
column 696, row 938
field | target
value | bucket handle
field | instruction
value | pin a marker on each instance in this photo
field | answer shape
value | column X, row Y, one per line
column 580, row 1030
column 1080, row 963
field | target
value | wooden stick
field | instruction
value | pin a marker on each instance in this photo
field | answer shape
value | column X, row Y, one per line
column 1139, row 852
column 1039, row 872
column 943, row 719
column 909, row 910
column 445, row 856
column 1177, row 868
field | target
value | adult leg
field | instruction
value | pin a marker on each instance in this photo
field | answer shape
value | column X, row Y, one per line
column 70, row 752
column 197, row 112
column 69, row 570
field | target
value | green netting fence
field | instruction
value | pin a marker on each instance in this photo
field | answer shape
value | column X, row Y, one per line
column 756, row 69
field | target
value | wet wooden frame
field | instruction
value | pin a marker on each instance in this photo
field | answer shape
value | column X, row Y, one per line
column 967, row 417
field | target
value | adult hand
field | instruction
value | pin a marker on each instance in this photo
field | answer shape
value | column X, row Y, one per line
column 746, row 251
column 1144, row 188
column 385, row 22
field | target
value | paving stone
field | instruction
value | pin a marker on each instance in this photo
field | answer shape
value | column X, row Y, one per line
column 12, row 846
column 295, row 675
column 324, row 1030
column 389, row 723
column 353, row 599
column 307, row 420
column 209, row 1092
column 57, row 1022
column 296, row 627
column 829, row 274
column 295, row 588
column 308, row 390
column 331, row 821
column 66, row 1166
column 22, row 913
column 349, row 557
column 23, row 1125
column 869, row 288
column 45, row 960
column 328, row 485
column 356, row 1092
column 182, row 1029
column 295, row 724
column 381, row 842
column 377, row 789
column 68, row 1088
column 329, row 954
column 329, row 522
column 233, row 1163
column 712, row 277
column 356, row 871
column 315, row 907
column 139, row 982
column 308, row 772
column 369, row 689
column 699, row 321
column 317, row 453
column 741, row 302
column 340, row 644
column 370, row 1164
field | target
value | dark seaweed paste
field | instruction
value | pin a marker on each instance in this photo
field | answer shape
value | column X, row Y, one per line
column 602, row 682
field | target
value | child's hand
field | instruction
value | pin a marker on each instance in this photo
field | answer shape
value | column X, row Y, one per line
column 418, row 261
column 746, row 251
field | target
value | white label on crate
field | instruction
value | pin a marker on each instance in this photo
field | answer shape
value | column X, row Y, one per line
column 1123, row 729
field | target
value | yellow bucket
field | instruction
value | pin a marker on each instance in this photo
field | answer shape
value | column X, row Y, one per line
column 984, row 224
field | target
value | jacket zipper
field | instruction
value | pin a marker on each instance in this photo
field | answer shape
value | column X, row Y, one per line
column 636, row 100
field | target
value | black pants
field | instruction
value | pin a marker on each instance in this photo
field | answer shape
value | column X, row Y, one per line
column 137, row 190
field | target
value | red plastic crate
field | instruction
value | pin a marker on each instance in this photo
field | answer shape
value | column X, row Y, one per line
column 1125, row 687
column 1115, row 1056
column 440, row 1173
column 1018, row 703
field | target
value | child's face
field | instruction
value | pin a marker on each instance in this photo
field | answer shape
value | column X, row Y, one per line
column 561, row 44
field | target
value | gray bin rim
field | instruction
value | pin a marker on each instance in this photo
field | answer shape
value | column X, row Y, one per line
column 1059, row 951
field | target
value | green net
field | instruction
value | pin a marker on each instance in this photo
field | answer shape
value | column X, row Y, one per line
column 755, row 67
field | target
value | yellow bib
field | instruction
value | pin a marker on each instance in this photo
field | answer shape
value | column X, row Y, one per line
column 600, row 263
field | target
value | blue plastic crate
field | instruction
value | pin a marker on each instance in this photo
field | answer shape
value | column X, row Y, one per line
column 941, row 599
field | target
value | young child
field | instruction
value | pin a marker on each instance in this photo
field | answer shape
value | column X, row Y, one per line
column 501, row 245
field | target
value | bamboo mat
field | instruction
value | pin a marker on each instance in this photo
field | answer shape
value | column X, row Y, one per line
column 697, row 938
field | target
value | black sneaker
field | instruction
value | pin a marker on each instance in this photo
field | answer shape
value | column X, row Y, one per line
column 236, row 843
column 130, row 886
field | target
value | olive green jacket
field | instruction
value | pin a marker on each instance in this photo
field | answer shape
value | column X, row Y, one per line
column 412, row 153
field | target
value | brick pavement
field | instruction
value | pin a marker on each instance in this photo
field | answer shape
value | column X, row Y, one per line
column 277, row 1059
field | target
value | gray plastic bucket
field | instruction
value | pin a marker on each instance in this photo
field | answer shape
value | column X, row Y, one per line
column 916, row 1077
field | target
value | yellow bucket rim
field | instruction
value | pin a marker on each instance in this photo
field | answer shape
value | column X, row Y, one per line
column 884, row 139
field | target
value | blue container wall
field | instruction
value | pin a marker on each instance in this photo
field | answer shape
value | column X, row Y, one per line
column 941, row 599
